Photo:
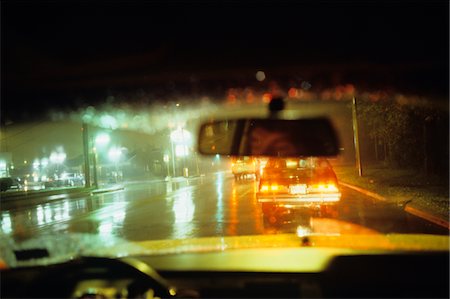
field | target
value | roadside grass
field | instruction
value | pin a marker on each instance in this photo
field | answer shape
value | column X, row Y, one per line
column 426, row 192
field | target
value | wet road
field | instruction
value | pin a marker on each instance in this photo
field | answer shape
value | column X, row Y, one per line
column 196, row 207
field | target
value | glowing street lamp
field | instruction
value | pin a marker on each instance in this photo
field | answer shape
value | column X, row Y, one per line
column 102, row 139
column 114, row 154
column 44, row 162
column 57, row 158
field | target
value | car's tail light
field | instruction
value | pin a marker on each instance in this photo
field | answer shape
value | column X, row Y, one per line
column 272, row 188
column 323, row 187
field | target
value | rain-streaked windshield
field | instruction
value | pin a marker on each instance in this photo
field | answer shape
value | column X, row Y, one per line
column 101, row 106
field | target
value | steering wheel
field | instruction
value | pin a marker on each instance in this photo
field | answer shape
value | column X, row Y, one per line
column 122, row 278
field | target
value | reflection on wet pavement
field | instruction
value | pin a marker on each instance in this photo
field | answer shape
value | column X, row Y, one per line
column 201, row 207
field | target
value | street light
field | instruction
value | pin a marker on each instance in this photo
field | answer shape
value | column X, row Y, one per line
column 114, row 154
column 57, row 158
column 102, row 139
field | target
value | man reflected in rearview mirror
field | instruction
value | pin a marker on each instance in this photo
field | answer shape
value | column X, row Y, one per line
column 266, row 142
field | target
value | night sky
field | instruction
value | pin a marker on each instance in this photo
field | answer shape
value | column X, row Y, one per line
column 54, row 53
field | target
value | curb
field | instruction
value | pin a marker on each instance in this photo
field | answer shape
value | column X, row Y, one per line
column 411, row 210
column 98, row 191
column 364, row 191
column 43, row 193
column 427, row 216
column 33, row 200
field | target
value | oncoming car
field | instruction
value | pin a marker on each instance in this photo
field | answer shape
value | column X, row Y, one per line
column 297, row 182
column 243, row 167
column 9, row 183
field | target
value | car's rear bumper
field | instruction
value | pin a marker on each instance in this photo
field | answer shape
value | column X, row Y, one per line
column 299, row 199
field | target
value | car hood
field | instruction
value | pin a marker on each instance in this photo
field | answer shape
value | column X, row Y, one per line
column 345, row 239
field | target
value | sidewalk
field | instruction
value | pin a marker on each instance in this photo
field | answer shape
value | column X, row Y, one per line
column 424, row 196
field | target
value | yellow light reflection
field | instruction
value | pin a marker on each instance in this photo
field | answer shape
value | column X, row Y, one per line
column 232, row 228
column 256, row 208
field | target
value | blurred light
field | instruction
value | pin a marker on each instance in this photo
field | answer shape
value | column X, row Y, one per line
column 303, row 231
column 181, row 150
column 88, row 115
column 6, row 223
column 178, row 105
column 274, row 187
column 183, row 208
column 114, row 154
column 108, row 121
column 25, row 161
column 166, row 158
column 293, row 92
column 2, row 164
column 181, row 136
column 260, row 76
column 57, row 158
column 44, row 162
column 102, row 139
column 105, row 228
column 36, row 164
column 266, row 97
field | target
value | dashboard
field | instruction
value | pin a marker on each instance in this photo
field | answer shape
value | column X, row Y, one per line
column 399, row 275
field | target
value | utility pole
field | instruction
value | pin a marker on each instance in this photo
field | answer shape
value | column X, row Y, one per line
column 173, row 160
column 94, row 165
column 356, row 137
column 87, row 167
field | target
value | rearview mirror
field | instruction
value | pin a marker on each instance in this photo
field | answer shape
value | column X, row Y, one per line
column 269, row 137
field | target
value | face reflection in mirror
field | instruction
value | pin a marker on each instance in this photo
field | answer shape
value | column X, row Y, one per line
column 267, row 142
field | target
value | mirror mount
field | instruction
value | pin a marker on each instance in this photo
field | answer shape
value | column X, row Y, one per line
column 276, row 105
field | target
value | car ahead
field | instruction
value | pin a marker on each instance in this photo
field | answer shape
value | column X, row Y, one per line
column 243, row 167
column 288, row 183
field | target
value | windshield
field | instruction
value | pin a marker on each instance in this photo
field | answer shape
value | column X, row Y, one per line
column 102, row 104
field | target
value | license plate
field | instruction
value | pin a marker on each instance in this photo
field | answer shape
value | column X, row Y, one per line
column 297, row 189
